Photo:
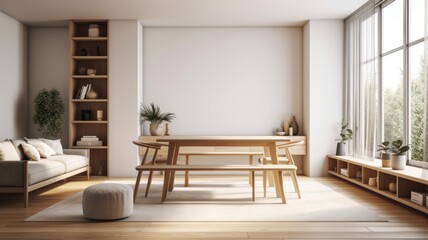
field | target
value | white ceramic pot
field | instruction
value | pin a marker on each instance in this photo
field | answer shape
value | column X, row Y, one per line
column 157, row 129
column 398, row 162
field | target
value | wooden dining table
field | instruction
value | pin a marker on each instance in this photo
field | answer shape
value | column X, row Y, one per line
column 176, row 142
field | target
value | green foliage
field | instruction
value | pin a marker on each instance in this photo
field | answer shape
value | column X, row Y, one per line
column 384, row 147
column 345, row 133
column 152, row 113
column 49, row 111
column 398, row 148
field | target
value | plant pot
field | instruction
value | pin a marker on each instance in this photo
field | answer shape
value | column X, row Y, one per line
column 156, row 129
column 398, row 162
column 386, row 159
column 341, row 149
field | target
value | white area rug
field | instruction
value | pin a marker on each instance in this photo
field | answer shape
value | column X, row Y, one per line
column 220, row 200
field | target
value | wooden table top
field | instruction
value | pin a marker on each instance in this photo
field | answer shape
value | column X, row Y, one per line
column 227, row 138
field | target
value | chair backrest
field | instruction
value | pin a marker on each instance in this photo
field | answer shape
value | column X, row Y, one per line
column 149, row 145
column 286, row 147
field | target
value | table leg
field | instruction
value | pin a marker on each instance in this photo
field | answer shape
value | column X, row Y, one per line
column 250, row 162
column 186, row 174
column 269, row 173
column 166, row 177
column 274, row 157
column 174, row 162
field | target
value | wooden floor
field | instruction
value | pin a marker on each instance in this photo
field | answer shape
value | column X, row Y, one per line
column 403, row 222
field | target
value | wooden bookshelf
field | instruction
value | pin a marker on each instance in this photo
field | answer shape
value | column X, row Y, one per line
column 89, row 53
column 407, row 180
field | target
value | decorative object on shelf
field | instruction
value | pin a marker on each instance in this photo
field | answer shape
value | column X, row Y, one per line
column 166, row 129
column 91, row 72
column 285, row 126
column 91, row 94
column 399, row 159
column 99, row 115
column 81, row 71
column 83, row 91
column 290, row 131
column 84, row 52
column 295, row 126
column 89, row 141
column 344, row 172
column 85, row 115
column 359, row 174
column 345, row 135
column 392, row 187
column 94, row 30
column 49, row 111
column 373, row 182
column 386, row 154
column 280, row 133
column 152, row 113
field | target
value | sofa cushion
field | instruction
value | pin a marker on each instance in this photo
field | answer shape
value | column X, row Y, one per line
column 17, row 144
column 44, row 150
column 43, row 170
column 31, row 152
column 71, row 162
column 54, row 144
column 8, row 151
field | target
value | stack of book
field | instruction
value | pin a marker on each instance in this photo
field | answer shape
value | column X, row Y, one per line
column 81, row 94
column 89, row 141
column 419, row 198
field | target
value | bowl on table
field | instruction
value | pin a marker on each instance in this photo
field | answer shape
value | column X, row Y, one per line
column 280, row 133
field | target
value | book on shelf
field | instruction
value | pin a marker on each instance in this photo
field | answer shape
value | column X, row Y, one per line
column 89, row 143
column 418, row 197
column 89, row 139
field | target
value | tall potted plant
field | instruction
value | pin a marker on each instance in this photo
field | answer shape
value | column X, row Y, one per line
column 49, row 111
column 152, row 113
column 398, row 160
column 345, row 135
column 385, row 148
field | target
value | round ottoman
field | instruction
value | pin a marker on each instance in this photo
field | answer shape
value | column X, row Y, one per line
column 107, row 201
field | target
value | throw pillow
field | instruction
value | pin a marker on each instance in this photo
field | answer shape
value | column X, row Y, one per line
column 8, row 151
column 54, row 144
column 31, row 152
column 18, row 147
column 44, row 150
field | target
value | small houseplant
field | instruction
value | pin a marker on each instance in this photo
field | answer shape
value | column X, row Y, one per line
column 398, row 160
column 49, row 111
column 385, row 148
column 345, row 135
column 152, row 113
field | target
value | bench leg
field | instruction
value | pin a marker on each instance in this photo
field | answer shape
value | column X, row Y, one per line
column 295, row 183
column 250, row 162
column 137, row 184
column 26, row 199
column 281, row 185
column 264, row 179
column 253, row 185
column 186, row 173
column 149, row 182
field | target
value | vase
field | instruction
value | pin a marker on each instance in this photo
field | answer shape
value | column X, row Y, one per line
column 156, row 129
column 398, row 162
column 386, row 159
column 295, row 126
column 286, row 126
column 341, row 149
column 392, row 187
column 92, row 94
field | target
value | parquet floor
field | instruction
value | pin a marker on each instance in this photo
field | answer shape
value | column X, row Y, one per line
column 403, row 222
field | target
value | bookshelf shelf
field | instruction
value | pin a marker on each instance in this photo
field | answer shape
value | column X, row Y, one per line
column 90, row 122
column 89, row 147
column 89, row 100
column 89, row 76
column 89, row 57
column 89, row 39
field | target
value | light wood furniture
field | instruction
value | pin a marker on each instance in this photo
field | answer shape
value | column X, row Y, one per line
column 407, row 180
column 148, row 146
column 288, row 159
column 268, row 143
column 251, row 168
column 97, row 58
column 188, row 154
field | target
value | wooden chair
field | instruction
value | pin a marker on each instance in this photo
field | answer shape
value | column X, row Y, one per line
column 148, row 146
column 288, row 159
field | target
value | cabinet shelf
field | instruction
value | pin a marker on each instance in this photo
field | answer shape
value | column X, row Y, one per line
column 88, row 100
column 89, row 57
column 89, row 39
column 89, row 147
column 89, row 122
column 89, row 76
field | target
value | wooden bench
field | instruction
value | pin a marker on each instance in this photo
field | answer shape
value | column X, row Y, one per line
column 251, row 168
column 188, row 154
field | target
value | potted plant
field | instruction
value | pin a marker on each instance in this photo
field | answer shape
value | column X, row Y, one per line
column 152, row 113
column 345, row 135
column 386, row 153
column 398, row 160
column 49, row 111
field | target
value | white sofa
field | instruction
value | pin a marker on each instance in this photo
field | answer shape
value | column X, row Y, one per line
column 25, row 176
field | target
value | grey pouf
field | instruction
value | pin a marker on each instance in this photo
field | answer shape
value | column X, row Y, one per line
column 108, row 201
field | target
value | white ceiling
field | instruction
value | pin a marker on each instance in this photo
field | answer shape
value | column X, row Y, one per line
column 181, row 12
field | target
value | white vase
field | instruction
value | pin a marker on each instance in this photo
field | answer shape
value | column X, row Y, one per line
column 156, row 129
column 398, row 162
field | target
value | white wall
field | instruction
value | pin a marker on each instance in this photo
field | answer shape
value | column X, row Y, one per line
column 124, row 95
column 48, row 67
column 13, row 80
column 224, row 81
column 323, row 89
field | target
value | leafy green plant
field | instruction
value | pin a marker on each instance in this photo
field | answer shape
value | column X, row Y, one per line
column 345, row 133
column 152, row 113
column 49, row 111
column 385, row 147
column 398, row 148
